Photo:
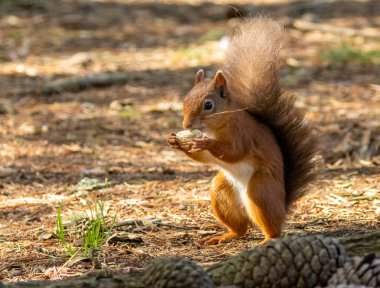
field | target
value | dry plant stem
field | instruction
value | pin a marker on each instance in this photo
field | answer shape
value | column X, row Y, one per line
column 360, row 245
column 227, row 112
column 157, row 222
column 75, row 84
column 305, row 25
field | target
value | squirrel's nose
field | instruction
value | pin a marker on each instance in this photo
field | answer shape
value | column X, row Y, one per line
column 187, row 124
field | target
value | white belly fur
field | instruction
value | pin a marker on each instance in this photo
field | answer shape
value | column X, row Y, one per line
column 238, row 175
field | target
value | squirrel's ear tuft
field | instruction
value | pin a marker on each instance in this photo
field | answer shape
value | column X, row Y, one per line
column 219, row 80
column 200, row 76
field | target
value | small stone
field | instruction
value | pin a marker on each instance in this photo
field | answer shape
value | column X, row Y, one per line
column 46, row 236
column 16, row 271
column 115, row 170
column 28, row 129
column 116, row 105
column 143, row 144
column 206, row 232
column 94, row 171
column 89, row 184
column 6, row 171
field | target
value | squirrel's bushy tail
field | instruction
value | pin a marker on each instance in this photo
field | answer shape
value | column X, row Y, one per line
column 252, row 76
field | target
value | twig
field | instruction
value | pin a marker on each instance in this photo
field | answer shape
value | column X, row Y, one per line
column 75, row 84
column 305, row 25
column 362, row 244
column 157, row 222
column 129, row 223
column 176, row 226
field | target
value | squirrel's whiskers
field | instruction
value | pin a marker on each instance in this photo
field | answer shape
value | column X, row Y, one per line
column 225, row 112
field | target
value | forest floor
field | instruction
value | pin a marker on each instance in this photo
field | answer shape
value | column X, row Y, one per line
column 117, row 134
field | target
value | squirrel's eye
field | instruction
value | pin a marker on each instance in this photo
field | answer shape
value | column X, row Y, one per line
column 208, row 105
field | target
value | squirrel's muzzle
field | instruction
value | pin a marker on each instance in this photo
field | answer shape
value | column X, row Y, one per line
column 187, row 123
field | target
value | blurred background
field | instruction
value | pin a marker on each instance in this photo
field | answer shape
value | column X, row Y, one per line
column 91, row 89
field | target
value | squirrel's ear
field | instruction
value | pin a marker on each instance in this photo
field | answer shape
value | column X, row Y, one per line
column 200, row 76
column 219, row 80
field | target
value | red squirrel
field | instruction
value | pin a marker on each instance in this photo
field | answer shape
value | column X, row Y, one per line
column 253, row 133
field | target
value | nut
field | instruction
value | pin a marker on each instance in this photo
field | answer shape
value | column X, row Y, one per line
column 186, row 136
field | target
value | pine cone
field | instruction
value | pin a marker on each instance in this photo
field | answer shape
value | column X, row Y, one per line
column 345, row 286
column 289, row 262
column 175, row 272
column 358, row 271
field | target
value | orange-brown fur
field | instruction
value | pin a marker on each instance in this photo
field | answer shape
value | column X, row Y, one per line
column 254, row 125
column 251, row 72
column 267, row 204
column 266, row 188
column 225, row 206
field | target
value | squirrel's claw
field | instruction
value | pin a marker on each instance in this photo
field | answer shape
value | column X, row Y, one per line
column 173, row 141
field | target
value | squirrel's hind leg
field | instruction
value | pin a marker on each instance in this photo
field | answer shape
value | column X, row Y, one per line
column 266, row 204
column 228, row 209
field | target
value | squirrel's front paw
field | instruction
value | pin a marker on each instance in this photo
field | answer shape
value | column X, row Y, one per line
column 200, row 144
column 173, row 141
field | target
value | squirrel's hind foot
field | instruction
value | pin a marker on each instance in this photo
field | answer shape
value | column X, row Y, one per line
column 265, row 241
column 214, row 240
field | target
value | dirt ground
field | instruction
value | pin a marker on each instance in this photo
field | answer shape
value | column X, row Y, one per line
column 48, row 143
